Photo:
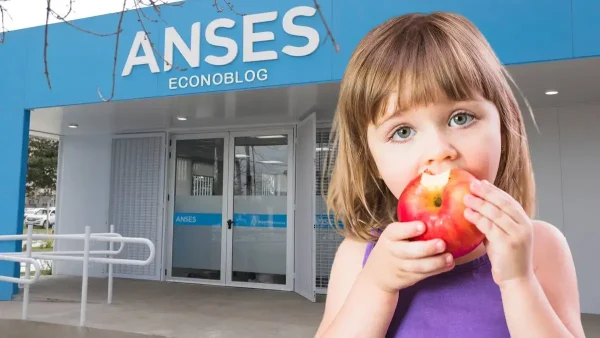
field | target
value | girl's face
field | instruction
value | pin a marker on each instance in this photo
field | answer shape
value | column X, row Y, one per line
column 436, row 137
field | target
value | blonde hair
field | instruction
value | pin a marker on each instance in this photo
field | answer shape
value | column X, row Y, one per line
column 435, row 56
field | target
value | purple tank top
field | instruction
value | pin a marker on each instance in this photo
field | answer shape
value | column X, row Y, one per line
column 464, row 302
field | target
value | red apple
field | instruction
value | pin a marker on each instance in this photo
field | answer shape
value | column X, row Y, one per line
column 437, row 201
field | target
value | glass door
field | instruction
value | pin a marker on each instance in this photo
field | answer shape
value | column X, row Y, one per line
column 231, row 202
column 260, row 223
column 198, row 235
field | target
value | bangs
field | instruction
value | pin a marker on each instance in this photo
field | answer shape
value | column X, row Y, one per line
column 426, row 63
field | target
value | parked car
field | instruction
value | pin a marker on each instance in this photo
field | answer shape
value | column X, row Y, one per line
column 29, row 212
column 42, row 217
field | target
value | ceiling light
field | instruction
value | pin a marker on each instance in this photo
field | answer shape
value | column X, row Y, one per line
column 182, row 118
column 551, row 92
column 323, row 149
column 241, row 155
column 271, row 136
column 270, row 162
column 73, row 125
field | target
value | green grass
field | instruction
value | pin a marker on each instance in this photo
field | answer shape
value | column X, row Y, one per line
column 43, row 231
column 42, row 249
column 46, row 272
column 39, row 231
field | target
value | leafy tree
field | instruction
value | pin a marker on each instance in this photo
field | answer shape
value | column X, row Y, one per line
column 42, row 167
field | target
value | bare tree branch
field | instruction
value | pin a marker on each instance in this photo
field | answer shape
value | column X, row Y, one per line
column 70, row 8
column 229, row 4
column 114, row 71
column 140, row 13
column 231, row 8
column 3, row 12
column 79, row 28
column 63, row 18
column 216, row 5
column 46, row 72
column 2, row 28
column 141, row 21
column 144, row 13
column 155, row 5
column 329, row 33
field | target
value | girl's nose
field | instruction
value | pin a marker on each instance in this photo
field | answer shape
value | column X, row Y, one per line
column 438, row 152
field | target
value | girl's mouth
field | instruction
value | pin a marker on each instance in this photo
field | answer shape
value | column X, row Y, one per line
column 431, row 172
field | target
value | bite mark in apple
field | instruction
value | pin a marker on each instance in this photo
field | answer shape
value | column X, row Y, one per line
column 437, row 201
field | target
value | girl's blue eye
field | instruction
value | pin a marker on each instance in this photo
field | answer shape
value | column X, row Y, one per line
column 460, row 120
column 403, row 133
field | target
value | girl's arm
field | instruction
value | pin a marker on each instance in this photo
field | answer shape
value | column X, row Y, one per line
column 354, row 308
column 547, row 304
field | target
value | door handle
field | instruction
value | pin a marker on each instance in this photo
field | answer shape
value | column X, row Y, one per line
column 229, row 223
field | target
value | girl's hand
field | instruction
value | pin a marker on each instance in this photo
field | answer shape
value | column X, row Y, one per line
column 396, row 263
column 508, row 231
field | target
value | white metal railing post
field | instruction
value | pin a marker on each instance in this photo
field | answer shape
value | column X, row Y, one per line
column 30, row 257
column 27, row 271
column 110, row 268
column 84, row 281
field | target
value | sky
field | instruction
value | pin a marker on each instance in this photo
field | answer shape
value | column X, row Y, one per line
column 31, row 13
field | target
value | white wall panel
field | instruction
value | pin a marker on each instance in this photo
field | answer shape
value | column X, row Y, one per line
column 580, row 160
column 83, row 195
column 545, row 155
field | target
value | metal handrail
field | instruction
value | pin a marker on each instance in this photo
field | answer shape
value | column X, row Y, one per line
column 30, row 257
column 8, row 258
column 45, row 237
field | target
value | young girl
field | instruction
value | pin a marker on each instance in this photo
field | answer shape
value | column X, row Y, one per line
column 426, row 92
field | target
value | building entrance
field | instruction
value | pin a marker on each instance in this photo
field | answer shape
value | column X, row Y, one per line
column 231, row 200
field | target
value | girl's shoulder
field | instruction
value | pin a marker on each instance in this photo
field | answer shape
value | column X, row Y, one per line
column 347, row 265
column 352, row 250
column 554, row 269
column 348, row 262
column 548, row 243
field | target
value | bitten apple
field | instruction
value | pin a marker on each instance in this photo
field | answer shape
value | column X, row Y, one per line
column 437, row 201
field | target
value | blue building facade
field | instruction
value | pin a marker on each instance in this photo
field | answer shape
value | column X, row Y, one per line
column 196, row 49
